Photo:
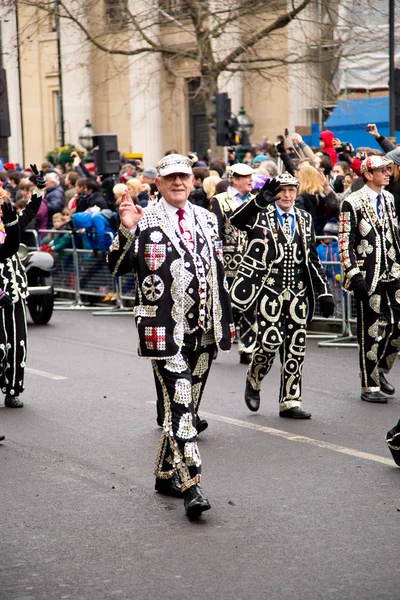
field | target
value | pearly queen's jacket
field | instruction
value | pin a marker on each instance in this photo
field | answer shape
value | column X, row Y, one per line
column 13, row 278
column 263, row 254
column 234, row 241
column 158, row 256
column 363, row 246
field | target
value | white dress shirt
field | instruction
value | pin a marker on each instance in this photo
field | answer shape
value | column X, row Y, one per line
column 373, row 198
column 236, row 196
column 292, row 221
column 172, row 212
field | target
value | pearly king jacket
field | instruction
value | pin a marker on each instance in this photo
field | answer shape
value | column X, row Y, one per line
column 234, row 241
column 263, row 255
column 362, row 245
column 13, row 278
column 158, row 256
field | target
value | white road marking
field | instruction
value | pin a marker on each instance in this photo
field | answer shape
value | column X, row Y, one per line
column 296, row 438
column 45, row 374
column 300, row 438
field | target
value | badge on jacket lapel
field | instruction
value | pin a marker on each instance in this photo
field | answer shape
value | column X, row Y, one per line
column 154, row 255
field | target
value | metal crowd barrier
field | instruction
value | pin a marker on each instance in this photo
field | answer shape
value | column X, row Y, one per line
column 339, row 316
column 83, row 274
column 346, row 338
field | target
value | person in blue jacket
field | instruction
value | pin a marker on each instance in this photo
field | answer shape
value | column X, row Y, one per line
column 328, row 251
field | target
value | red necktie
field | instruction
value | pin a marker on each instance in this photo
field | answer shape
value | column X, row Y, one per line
column 184, row 227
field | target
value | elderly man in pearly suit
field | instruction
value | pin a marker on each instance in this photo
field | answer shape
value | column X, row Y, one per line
column 369, row 247
column 182, row 311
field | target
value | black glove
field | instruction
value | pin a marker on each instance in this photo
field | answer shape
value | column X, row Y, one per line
column 38, row 178
column 268, row 193
column 5, row 299
column 327, row 306
column 359, row 287
column 9, row 213
column 280, row 146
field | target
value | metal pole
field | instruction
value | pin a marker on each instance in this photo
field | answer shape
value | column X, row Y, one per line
column 391, row 68
column 60, row 86
column 321, row 94
column 21, row 113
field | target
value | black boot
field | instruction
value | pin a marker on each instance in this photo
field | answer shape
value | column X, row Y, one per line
column 201, row 424
column 13, row 402
column 169, row 487
column 251, row 397
column 295, row 413
column 386, row 387
column 376, row 397
column 195, row 502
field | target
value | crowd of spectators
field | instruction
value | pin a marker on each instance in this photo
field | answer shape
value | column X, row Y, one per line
column 79, row 201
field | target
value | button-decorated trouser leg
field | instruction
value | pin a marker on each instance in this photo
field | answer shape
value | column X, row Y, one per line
column 368, row 336
column 269, row 338
column 281, row 326
column 182, row 381
column 389, row 345
column 292, row 352
column 13, row 348
column 246, row 327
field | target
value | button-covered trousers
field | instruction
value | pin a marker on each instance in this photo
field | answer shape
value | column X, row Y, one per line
column 182, row 381
column 13, row 348
column 281, row 326
column 378, row 349
column 246, row 326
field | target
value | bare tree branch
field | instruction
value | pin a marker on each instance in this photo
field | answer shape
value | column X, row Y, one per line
column 279, row 23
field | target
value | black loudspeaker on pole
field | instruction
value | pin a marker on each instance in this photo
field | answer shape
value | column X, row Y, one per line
column 105, row 154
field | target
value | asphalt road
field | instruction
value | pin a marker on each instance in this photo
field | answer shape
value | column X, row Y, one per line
column 300, row 510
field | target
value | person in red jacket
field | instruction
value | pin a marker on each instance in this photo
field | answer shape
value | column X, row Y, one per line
column 326, row 142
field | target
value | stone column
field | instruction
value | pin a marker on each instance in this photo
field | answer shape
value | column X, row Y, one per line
column 76, row 79
column 10, row 63
column 232, row 83
column 145, row 93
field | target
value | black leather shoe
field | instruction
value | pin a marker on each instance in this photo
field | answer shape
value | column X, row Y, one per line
column 386, row 387
column 13, row 402
column 295, row 413
column 169, row 487
column 245, row 358
column 195, row 502
column 201, row 424
column 251, row 397
column 2, row 437
column 376, row 397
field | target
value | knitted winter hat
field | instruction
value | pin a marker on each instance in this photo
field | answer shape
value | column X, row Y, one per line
column 331, row 227
column 394, row 155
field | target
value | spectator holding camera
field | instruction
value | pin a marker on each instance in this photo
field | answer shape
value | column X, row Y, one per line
column 393, row 153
